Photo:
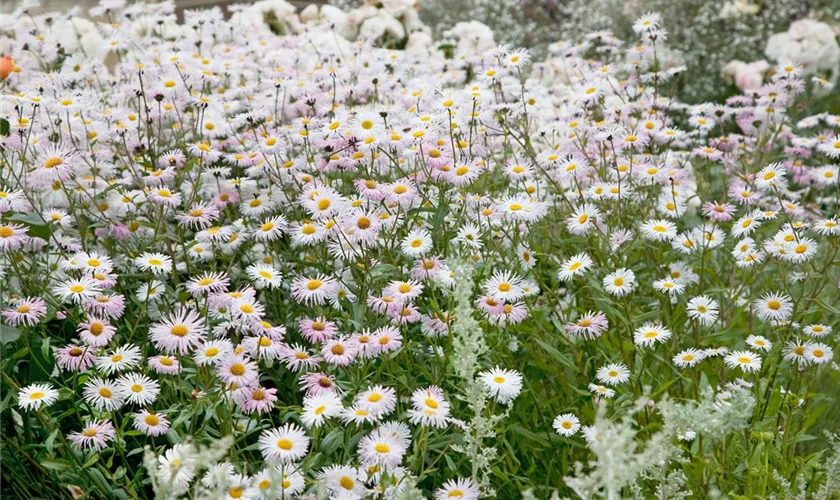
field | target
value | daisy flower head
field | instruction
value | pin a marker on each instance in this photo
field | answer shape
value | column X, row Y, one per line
column 156, row 263
column 416, row 243
column 566, row 424
column 35, row 396
column 830, row 147
column 613, row 374
column 255, row 399
column 339, row 352
column 659, row 230
column 817, row 330
column 264, row 276
column 620, row 282
column 77, row 291
column 583, row 220
column 165, row 365
column 208, row 283
column 382, row 449
column 796, row 351
column 379, row 400
column 342, row 482
column 759, row 343
column 648, row 22
column 237, row 369
column 747, row 361
column 212, row 352
column 820, row 353
column 590, row 326
column 670, row 286
column 601, row 391
column 75, row 358
column 180, row 334
column 460, row 489
column 12, row 236
column 150, row 423
column 502, row 385
column 773, row 307
column 504, row 286
column 315, row 290
column 650, row 334
column 284, row 445
column 703, row 309
column 96, row 435
column 103, row 394
column 319, row 407
column 429, row 407
column 26, row 311
column 574, row 266
column 772, row 177
column 96, row 332
column 138, row 389
column 688, row 358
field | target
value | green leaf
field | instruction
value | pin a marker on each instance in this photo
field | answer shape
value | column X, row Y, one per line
column 8, row 334
column 30, row 218
column 53, row 464
column 51, row 441
column 5, row 127
column 562, row 358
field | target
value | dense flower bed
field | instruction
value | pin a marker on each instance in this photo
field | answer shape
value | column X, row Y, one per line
column 247, row 265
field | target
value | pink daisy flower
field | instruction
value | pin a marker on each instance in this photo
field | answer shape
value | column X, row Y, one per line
column 111, row 306
column 255, row 399
column 316, row 383
column 25, row 311
column 339, row 352
column 166, row 365
column 96, row 435
column 387, row 338
column 239, row 370
column 74, row 358
column 318, row 330
column 181, row 333
column 151, row 424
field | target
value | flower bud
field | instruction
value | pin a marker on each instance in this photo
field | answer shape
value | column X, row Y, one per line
column 7, row 66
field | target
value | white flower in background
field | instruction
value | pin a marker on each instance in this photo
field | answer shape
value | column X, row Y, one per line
column 383, row 25
column 473, row 38
column 747, row 76
column 811, row 44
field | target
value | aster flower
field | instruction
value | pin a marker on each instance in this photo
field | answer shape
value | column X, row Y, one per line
column 35, row 396
column 26, row 311
column 237, row 369
column 151, row 424
column 620, row 282
column 313, row 290
column 566, row 425
column 589, row 326
column 382, row 449
column 256, row 399
column 77, row 291
column 745, row 360
column 613, row 374
column 103, row 394
column 574, row 266
column 157, row 263
column 96, row 435
column 319, row 407
column 502, row 385
column 180, row 333
column 138, row 389
column 650, row 334
column 285, row 444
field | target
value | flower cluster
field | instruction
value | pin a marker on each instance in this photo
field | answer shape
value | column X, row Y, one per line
column 351, row 271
